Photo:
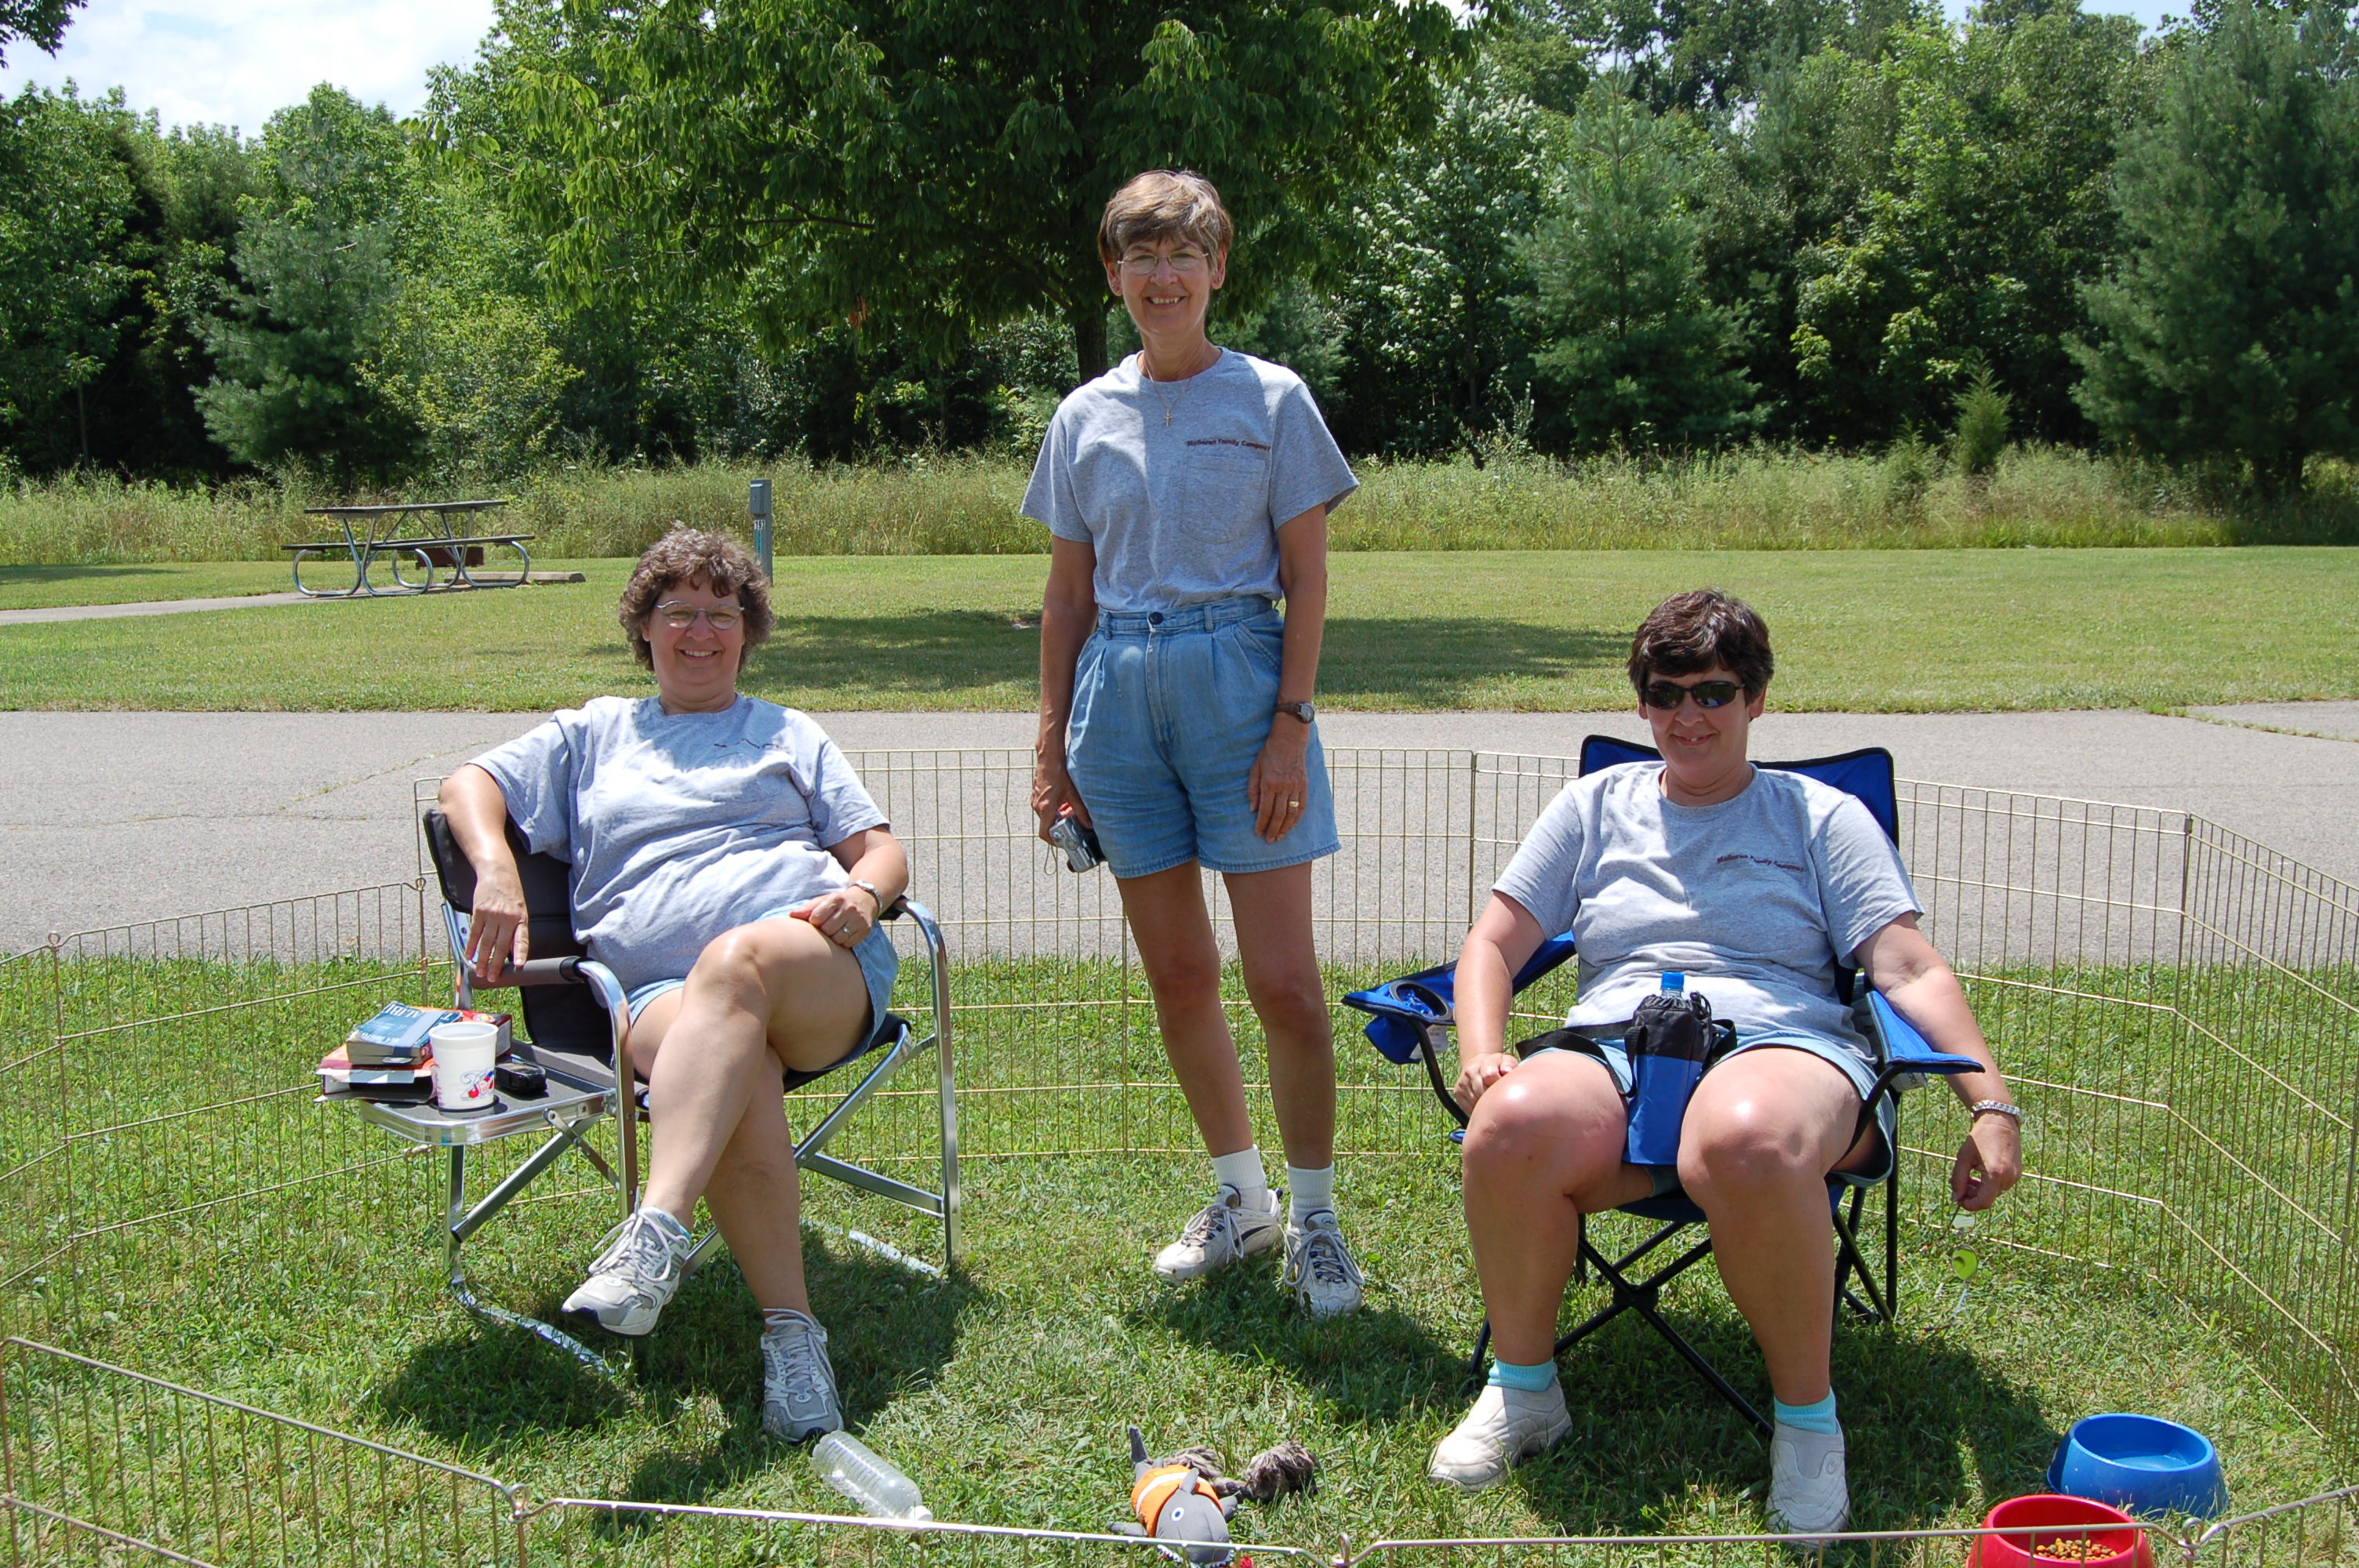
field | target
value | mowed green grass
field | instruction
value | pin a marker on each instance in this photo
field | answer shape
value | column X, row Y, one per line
column 1546, row 630
column 1005, row 1389
column 43, row 587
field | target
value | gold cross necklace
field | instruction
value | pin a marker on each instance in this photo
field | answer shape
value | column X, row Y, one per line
column 1187, row 384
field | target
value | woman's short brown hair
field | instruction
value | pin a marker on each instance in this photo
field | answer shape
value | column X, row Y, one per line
column 721, row 563
column 1691, row 632
column 1164, row 204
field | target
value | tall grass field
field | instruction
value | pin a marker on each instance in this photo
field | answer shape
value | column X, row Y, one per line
column 1761, row 499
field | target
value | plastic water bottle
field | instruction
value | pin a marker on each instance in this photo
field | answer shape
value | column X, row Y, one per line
column 850, row 1466
column 1674, row 983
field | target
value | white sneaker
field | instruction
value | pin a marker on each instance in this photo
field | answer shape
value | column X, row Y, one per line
column 1222, row 1232
column 632, row 1280
column 1505, row 1427
column 799, row 1398
column 1319, row 1267
column 1808, row 1496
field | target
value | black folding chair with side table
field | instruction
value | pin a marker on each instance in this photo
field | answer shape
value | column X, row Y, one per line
column 1413, row 1016
column 577, row 1031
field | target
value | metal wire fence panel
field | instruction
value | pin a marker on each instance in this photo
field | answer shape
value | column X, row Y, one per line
column 2315, row 1531
column 100, row 1460
column 566, row 1531
column 1891, row 1548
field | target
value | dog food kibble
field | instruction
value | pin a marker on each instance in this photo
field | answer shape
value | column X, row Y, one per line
column 2084, row 1549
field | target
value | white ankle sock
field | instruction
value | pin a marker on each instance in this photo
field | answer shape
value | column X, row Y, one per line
column 1243, row 1170
column 1308, row 1192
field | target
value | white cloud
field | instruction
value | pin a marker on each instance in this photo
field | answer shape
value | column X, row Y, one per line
column 236, row 61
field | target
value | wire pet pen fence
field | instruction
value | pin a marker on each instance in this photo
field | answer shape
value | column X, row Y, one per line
column 2175, row 1003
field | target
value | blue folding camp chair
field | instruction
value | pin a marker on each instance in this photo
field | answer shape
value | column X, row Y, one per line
column 1411, row 1016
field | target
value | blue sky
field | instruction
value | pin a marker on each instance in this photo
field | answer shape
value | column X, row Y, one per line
column 234, row 61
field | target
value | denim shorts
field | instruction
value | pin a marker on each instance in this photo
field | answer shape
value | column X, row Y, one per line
column 1853, row 1060
column 878, row 964
column 1171, row 707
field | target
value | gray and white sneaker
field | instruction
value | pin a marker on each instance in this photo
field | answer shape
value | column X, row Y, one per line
column 632, row 1280
column 1807, row 1493
column 1319, row 1268
column 799, row 1398
column 1222, row 1232
column 1505, row 1427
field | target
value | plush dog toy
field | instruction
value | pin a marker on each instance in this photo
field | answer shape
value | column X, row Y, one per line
column 1187, row 1501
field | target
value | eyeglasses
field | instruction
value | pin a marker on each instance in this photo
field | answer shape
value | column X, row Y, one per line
column 680, row 617
column 1142, row 264
column 1668, row 695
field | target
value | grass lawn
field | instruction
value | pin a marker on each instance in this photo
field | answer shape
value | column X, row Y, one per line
column 40, row 587
column 1858, row 629
column 1004, row 1390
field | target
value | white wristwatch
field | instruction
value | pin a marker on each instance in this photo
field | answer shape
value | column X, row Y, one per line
column 870, row 889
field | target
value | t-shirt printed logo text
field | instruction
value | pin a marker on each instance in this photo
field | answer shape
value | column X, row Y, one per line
column 1229, row 441
column 1764, row 860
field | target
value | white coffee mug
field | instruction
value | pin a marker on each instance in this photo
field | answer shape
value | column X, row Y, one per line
column 465, row 1055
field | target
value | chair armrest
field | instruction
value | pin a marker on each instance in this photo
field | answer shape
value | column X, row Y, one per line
column 566, row 971
column 1905, row 1050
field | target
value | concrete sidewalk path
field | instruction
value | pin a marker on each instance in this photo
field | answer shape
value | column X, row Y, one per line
column 107, row 819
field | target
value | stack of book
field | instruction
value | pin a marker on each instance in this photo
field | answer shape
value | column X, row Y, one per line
column 390, row 1057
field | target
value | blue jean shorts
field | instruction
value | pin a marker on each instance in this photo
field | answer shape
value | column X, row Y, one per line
column 1853, row 1060
column 1170, row 708
column 878, row 964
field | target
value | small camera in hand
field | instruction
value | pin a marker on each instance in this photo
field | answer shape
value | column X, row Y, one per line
column 1079, row 842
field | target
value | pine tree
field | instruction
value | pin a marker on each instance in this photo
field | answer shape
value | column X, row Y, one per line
column 2230, row 331
column 1642, row 355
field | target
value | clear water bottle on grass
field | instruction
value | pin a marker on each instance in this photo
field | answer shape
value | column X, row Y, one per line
column 852, row 1468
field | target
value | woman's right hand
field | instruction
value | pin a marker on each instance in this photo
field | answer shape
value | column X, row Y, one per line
column 1476, row 1073
column 499, row 931
column 1053, row 795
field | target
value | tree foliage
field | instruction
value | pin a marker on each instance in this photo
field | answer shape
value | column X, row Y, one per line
column 41, row 23
column 1642, row 355
column 936, row 169
column 2230, row 330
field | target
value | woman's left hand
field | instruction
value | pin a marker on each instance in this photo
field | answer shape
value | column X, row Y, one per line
column 1989, row 1162
column 842, row 916
column 1279, row 785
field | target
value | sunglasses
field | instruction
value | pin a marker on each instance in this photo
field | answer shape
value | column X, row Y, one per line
column 1668, row 695
column 680, row 617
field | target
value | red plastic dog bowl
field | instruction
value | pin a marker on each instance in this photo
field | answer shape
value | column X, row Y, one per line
column 2063, row 1533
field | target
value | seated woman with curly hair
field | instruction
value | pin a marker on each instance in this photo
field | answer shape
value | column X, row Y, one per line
column 730, row 868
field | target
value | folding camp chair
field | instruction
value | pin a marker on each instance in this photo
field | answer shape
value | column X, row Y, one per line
column 578, row 1030
column 1413, row 1014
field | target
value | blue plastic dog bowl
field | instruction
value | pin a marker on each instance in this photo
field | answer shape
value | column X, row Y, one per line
column 2141, row 1465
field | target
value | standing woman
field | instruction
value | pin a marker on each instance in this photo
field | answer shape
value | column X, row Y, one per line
column 1188, row 490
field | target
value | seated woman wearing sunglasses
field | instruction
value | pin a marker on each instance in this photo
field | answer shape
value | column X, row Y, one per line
column 730, row 868
column 1755, row 885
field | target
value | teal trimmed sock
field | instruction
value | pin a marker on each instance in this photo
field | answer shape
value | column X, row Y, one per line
column 1818, row 1417
column 1523, row 1379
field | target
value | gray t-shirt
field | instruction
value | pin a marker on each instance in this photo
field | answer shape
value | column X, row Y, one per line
column 680, row 825
column 1754, row 900
column 1185, row 510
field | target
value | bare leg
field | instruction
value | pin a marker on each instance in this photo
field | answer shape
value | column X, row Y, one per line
column 1272, row 910
column 1543, row 1148
column 1183, row 970
column 1761, row 1134
column 762, row 998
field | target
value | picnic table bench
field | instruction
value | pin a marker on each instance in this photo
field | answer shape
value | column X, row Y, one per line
column 432, row 543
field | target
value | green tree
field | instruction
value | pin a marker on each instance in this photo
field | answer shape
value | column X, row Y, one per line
column 2230, row 330
column 931, row 170
column 1434, row 344
column 315, row 253
column 67, row 203
column 1640, row 352
column 41, row 23
column 1996, row 207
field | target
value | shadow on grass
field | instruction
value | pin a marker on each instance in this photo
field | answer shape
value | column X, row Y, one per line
column 890, row 1329
column 1927, row 1426
column 11, row 576
column 1378, row 1365
column 1411, row 662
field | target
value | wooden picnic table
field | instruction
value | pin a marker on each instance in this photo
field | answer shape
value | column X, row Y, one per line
column 433, row 543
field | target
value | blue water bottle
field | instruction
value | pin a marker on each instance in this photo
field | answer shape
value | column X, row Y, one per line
column 1666, row 1044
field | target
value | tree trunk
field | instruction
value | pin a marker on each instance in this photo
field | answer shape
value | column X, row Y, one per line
column 1088, row 323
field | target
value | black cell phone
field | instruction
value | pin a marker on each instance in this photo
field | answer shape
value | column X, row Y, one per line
column 520, row 1080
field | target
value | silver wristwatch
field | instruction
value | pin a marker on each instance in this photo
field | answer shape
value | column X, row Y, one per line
column 2004, row 1108
column 870, row 889
column 1305, row 711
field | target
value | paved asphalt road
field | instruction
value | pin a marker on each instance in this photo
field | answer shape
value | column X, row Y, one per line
column 115, row 817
